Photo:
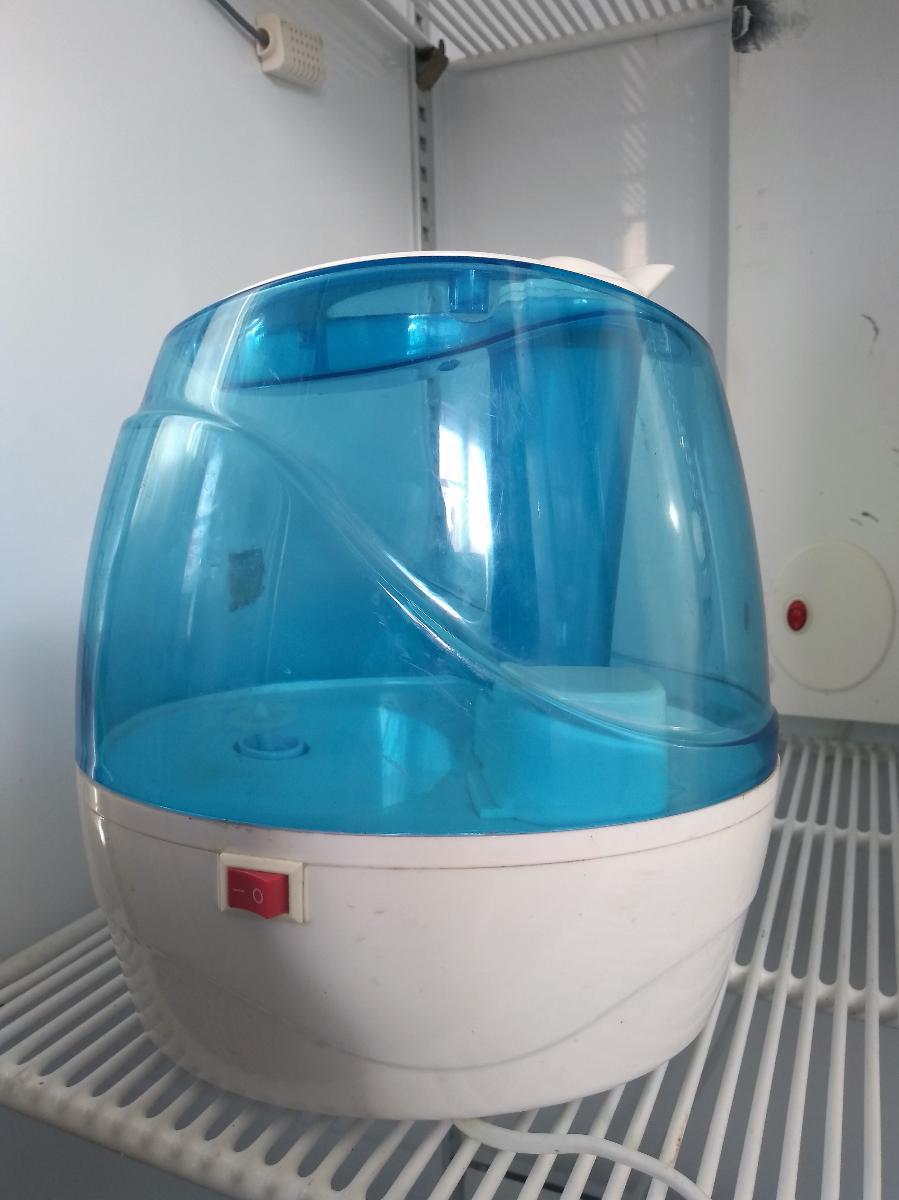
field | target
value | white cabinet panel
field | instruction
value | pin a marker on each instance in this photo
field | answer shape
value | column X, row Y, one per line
column 147, row 167
column 813, row 341
column 616, row 153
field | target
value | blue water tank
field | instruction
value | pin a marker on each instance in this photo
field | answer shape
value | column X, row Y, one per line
column 428, row 544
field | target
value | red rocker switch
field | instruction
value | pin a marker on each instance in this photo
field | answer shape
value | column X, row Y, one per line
column 262, row 892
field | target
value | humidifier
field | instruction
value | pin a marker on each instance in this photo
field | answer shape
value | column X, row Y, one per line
column 426, row 757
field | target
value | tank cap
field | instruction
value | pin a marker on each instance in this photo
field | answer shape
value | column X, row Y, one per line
column 643, row 279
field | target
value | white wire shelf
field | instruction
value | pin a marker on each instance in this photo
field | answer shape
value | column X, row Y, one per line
column 485, row 33
column 786, row 1093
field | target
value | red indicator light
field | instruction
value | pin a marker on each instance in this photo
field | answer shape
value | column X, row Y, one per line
column 797, row 615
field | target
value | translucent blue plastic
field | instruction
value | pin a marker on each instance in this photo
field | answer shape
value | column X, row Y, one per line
column 427, row 545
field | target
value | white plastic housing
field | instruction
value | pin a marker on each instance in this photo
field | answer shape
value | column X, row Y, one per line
column 643, row 279
column 433, row 976
column 292, row 53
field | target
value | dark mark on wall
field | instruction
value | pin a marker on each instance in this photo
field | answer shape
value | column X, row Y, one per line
column 871, row 517
column 875, row 328
column 757, row 23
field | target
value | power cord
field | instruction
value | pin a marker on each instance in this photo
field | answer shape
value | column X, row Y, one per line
column 258, row 35
column 525, row 1142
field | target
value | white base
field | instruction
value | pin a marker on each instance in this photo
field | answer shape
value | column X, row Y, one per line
column 433, row 977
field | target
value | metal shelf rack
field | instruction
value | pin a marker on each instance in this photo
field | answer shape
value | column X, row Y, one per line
column 489, row 33
column 787, row 1091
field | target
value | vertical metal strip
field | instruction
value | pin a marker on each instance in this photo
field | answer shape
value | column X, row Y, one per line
column 872, row 1147
column 792, row 1139
column 424, row 216
column 893, row 783
column 836, row 1078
